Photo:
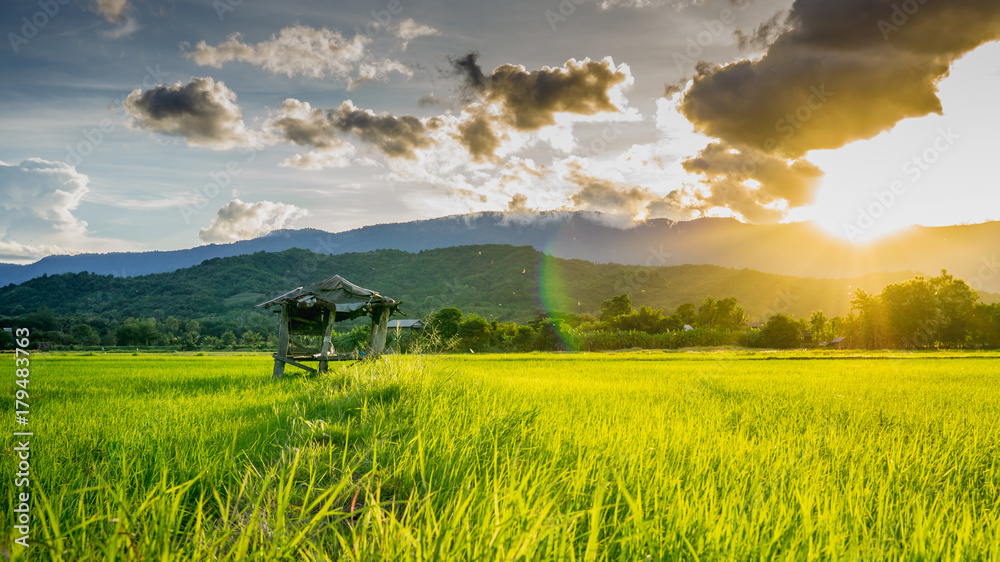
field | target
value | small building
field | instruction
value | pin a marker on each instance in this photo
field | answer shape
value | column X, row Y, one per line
column 43, row 346
column 805, row 336
column 406, row 325
column 837, row 343
column 312, row 311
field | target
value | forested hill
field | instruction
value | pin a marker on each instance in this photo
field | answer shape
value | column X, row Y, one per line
column 497, row 281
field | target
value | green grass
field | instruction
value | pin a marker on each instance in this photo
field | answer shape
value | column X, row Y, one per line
column 627, row 456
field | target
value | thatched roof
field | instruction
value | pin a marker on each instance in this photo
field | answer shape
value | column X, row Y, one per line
column 335, row 294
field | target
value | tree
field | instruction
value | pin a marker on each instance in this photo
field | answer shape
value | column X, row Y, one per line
column 190, row 341
column 985, row 325
column 616, row 306
column 685, row 315
column 817, row 325
column 780, row 332
column 445, row 322
column 722, row 314
column 171, row 325
column 869, row 328
column 913, row 313
column 551, row 335
column 228, row 339
column 646, row 319
column 84, row 334
column 251, row 339
column 474, row 331
column 137, row 332
column 958, row 305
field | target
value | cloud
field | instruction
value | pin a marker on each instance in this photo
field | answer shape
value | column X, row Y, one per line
column 237, row 220
column 628, row 204
column 396, row 137
column 169, row 201
column 203, row 112
column 531, row 99
column 763, row 35
column 843, row 70
column 834, row 72
column 336, row 157
column 37, row 200
column 518, row 203
column 758, row 186
column 478, row 136
column 513, row 98
column 408, row 30
column 126, row 29
column 113, row 10
column 300, row 50
column 304, row 125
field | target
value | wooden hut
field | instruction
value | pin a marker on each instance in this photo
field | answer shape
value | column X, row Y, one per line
column 312, row 311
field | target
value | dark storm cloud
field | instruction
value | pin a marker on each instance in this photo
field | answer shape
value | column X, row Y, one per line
column 879, row 61
column 203, row 112
column 304, row 125
column 529, row 100
column 467, row 66
column 396, row 137
column 477, row 135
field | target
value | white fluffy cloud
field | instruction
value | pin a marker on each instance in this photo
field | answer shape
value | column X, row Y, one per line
column 408, row 30
column 301, row 50
column 37, row 199
column 237, row 220
column 113, row 10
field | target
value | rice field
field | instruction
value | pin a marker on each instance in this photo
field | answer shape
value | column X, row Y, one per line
column 625, row 456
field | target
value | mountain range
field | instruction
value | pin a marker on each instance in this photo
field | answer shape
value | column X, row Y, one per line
column 498, row 282
column 797, row 249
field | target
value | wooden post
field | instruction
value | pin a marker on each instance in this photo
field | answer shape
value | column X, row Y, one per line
column 380, row 329
column 327, row 346
column 279, row 357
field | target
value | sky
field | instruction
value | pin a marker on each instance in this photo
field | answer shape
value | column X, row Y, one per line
column 133, row 125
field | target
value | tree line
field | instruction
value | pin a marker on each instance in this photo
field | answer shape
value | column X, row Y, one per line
column 922, row 313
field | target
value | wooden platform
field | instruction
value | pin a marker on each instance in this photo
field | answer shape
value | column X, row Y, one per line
column 298, row 360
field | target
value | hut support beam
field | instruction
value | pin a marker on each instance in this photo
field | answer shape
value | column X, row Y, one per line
column 327, row 346
column 379, row 331
column 294, row 363
column 279, row 357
